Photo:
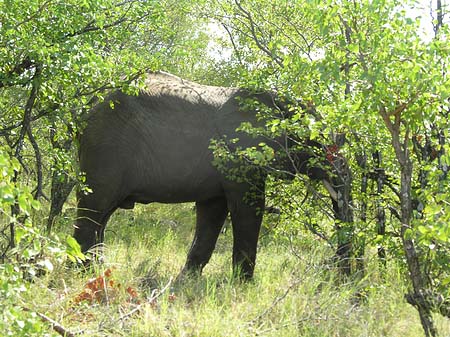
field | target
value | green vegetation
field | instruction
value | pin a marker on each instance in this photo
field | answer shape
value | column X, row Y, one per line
column 357, row 76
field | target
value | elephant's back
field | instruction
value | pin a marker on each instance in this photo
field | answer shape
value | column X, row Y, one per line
column 170, row 113
column 163, row 85
column 158, row 139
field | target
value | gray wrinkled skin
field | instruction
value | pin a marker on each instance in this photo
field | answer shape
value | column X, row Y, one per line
column 154, row 147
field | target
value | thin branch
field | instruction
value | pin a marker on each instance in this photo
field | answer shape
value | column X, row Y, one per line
column 55, row 325
column 19, row 145
column 440, row 18
column 37, row 154
column 253, row 27
column 34, row 15
column 155, row 295
column 28, row 110
column 302, row 36
column 90, row 27
column 279, row 298
column 292, row 40
column 5, row 131
column 236, row 49
column 107, row 86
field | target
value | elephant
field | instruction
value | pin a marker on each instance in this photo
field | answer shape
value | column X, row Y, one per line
column 155, row 147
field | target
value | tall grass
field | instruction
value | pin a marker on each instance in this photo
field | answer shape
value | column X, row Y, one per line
column 295, row 291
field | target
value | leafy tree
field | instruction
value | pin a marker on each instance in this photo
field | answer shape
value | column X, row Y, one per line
column 379, row 92
column 57, row 58
column 60, row 57
column 396, row 81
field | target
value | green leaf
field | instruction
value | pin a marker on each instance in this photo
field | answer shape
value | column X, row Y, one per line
column 446, row 281
column 23, row 202
column 354, row 48
column 35, row 204
column 74, row 250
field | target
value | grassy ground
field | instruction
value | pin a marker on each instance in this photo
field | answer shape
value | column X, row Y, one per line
column 294, row 293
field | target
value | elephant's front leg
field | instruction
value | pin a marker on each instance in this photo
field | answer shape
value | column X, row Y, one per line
column 211, row 215
column 91, row 222
column 246, row 220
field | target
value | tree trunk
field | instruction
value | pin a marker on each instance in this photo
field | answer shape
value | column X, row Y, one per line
column 361, row 243
column 415, row 273
column 343, row 211
column 393, row 122
column 380, row 213
column 62, row 183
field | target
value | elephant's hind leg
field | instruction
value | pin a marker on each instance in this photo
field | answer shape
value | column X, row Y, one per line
column 211, row 215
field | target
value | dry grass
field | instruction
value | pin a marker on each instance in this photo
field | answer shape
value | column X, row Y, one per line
column 291, row 295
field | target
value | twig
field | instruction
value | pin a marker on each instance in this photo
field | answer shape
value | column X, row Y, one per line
column 91, row 27
column 253, row 27
column 28, row 110
column 55, row 325
column 155, row 295
column 278, row 299
column 6, row 130
column 235, row 47
column 37, row 153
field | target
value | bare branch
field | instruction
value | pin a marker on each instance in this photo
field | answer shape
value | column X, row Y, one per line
column 254, row 35
column 90, row 27
column 440, row 17
column 55, row 325
column 236, row 50
column 5, row 131
column 155, row 295
column 28, row 110
column 37, row 154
